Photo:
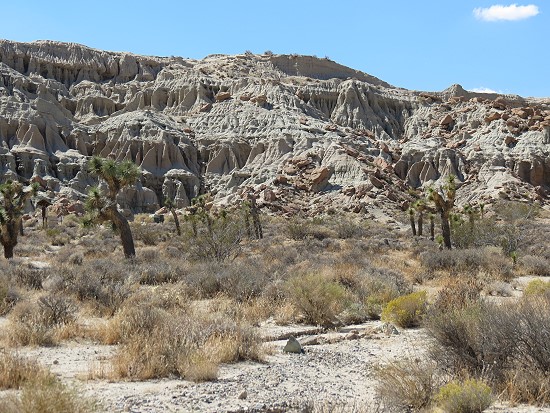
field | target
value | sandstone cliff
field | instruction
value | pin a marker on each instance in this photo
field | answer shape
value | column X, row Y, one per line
column 306, row 133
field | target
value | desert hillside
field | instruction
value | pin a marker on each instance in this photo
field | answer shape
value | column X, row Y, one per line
column 293, row 128
column 266, row 234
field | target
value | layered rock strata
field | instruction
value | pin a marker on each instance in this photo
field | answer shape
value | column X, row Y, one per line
column 279, row 124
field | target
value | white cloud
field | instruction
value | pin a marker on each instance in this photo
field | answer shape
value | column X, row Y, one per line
column 482, row 90
column 500, row 12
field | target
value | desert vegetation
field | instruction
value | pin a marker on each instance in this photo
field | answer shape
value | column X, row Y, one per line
column 183, row 306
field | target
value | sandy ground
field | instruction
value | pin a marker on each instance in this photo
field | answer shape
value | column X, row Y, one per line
column 340, row 369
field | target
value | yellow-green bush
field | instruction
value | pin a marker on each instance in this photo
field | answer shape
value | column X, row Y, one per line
column 471, row 396
column 318, row 297
column 537, row 287
column 407, row 310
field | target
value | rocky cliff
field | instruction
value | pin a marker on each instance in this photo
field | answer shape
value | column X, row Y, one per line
column 305, row 133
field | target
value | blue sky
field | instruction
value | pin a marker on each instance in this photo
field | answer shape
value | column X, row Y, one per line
column 423, row 44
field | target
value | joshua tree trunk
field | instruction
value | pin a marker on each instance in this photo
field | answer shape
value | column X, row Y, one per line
column 9, row 238
column 247, row 225
column 121, row 223
column 257, row 225
column 420, row 222
column 432, row 227
column 8, row 251
column 176, row 221
column 44, row 217
column 413, row 228
column 446, row 229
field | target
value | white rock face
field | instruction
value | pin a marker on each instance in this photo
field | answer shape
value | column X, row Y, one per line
column 295, row 124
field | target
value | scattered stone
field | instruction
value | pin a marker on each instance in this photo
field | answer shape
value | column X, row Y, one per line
column 293, row 346
column 221, row 96
column 388, row 329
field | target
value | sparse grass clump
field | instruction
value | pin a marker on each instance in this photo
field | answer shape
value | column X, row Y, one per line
column 407, row 384
column 15, row 371
column 406, row 311
column 41, row 391
column 47, row 395
column 471, row 396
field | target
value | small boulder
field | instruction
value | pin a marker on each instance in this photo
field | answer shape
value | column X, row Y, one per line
column 493, row 116
column 388, row 329
column 447, row 120
column 293, row 346
column 206, row 107
column 221, row 96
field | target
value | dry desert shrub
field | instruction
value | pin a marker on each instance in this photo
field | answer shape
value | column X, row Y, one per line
column 457, row 293
column 41, row 323
column 507, row 344
column 468, row 261
column 95, row 281
column 159, row 339
column 536, row 265
column 329, row 406
column 527, row 386
column 25, row 276
column 407, row 385
column 9, row 296
column 221, row 240
column 149, row 234
column 15, row 371
column 184, row 346
column 41, row 391
column 47, row 395
column 240, row 279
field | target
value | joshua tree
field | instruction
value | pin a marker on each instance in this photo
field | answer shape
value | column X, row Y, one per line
column 431, row 216
column 103, row 207
column 200, row 211
column 444, row 200
column 411, row 218
column 171, row 206
column 252, row 212
column 471, row 211
column 44, row 203
column 420, row 207
column 12, row 204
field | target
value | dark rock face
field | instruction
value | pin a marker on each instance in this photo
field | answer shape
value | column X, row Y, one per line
column 228, row 122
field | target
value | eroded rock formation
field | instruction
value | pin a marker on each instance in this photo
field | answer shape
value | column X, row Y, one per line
column 280, row 124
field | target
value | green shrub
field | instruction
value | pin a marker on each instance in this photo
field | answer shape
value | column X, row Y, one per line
column 406, row 311
column 319, row 298
column 537, row 287
column 471, row 396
